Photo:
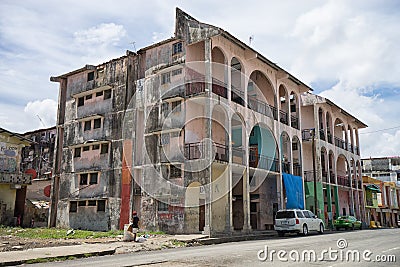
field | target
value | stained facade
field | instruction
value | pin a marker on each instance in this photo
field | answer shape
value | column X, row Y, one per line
column 193, row 132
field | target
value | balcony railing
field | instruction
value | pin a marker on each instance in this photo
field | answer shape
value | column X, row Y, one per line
column 332, row 177
column 309, row 176
column 283, row 117
column 15, row 178
column 322, row 134
column 237, row 96
column 195, row 88
column 294, row 122
column 263, row 162
column 340, row 143
column 343, row 180
column 329, row 135
column 194, row 151
column 296, row 169
column 221, row 152
column 219, row 88
column 286, row 167
column 238, row 155
column 263, row 108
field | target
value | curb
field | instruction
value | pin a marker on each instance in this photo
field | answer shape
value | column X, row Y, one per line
column 48, row 259
column 220, row 240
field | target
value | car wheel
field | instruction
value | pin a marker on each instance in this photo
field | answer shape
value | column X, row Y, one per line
column 352, row 227
column 305, row 230
column 337, row 228
column 280, row 233
column 321, row 229
column 360, row 226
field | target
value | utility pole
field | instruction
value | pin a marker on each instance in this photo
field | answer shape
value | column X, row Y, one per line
column 314, row 171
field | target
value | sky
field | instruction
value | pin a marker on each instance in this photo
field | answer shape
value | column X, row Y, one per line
column 347, row 51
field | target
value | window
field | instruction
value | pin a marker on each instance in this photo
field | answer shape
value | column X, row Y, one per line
column 176, row 106
column 101, row 205
column 165, row 78
column 88, row 125
column 174, row 134
column 81, row 101
column 284, row 214
column 107, row 94
column 90, row 76
column 176, row 48
column 73, row 207
column 99, row 93
column 162, row 206
column 294, row 146
column 82, row 203
column 175, row 172
column 165, row 109
column 104, row 149
column 164, row 140
column 93, row 178
column 97, row 123
column 88, row 97
column 77, row 152
column 86, row 148
column 83, row 179
column 176, row 72
column 307, row 214
column 299, row 214
column 96, row 147
column 91, row 202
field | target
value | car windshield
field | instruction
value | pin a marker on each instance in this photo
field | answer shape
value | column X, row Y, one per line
column 343, row 217
column 285, row 214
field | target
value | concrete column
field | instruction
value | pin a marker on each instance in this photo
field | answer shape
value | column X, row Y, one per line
column 208, row 134
column 246, row 200
column 329, row 200
column 336, row 194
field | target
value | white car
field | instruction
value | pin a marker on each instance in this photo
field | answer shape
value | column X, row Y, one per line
column 297, row 221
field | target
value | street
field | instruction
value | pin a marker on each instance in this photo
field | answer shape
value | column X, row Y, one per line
column 343, row 248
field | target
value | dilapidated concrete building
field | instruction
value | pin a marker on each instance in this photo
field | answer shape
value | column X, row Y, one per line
column 198, row 133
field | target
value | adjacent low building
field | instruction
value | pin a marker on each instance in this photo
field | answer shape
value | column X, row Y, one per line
column 13, row 182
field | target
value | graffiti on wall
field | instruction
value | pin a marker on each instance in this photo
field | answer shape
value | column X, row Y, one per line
column 8, row 157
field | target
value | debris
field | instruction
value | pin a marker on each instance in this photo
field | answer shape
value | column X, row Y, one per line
column 70, row 232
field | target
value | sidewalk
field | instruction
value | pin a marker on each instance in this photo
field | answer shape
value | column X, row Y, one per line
column 10, row 258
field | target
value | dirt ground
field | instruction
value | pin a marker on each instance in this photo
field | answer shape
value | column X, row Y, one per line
column 152, row 242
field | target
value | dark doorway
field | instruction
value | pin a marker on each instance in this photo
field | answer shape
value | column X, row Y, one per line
column 202, row 217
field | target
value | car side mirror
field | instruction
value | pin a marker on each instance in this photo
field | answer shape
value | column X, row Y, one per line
column 315, row 216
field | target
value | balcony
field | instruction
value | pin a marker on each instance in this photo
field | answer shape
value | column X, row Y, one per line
column 219, row 88
column 238, row 155
column 332, row 177
column 237, row 96
column 322, row 134
column 263, row 162
column 194, row 89
column 197, row 151
column 286, row 167
column 343, row 180
column 329, row 135
column 296, row 169
column 340, row 143
column 13, row 178
column 294, row 122
column 263, row 108
column 221, row 152
column 283, row 117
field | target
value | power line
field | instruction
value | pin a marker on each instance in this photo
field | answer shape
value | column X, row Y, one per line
column 381, row 130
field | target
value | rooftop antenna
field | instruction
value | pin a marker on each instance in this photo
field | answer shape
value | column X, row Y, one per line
column 251, row 38
column 41, row 121
column 134, row 46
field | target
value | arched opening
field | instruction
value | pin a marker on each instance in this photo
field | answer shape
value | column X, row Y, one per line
column 340, row 134
column 219, row 134
column 194, row 207
column 238, row 136
column 328, row 127
column 237, row 80
column 294, row 110
column 283, row 105
column 218, row 72
column 321, row 124
column 285, row 152
column 332, row 172
column 324, row 165
column 261, row 95
column 296, row 155
column 263, row 177
column 344, row 193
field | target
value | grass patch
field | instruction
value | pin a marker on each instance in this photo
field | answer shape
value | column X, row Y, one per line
column 54, row 233
column 43, row 260
column 177, row 243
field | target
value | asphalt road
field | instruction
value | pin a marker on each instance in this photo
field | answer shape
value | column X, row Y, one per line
column 374, row 248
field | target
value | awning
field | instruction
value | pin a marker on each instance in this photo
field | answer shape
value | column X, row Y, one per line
column 373, row 187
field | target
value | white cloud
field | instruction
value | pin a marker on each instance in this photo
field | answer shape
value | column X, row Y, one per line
column 104, row 34
column 42, row 111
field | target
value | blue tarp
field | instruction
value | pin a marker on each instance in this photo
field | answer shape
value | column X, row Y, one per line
column 294, row 191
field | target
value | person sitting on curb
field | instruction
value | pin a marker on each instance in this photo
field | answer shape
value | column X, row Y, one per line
column 135, row 225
